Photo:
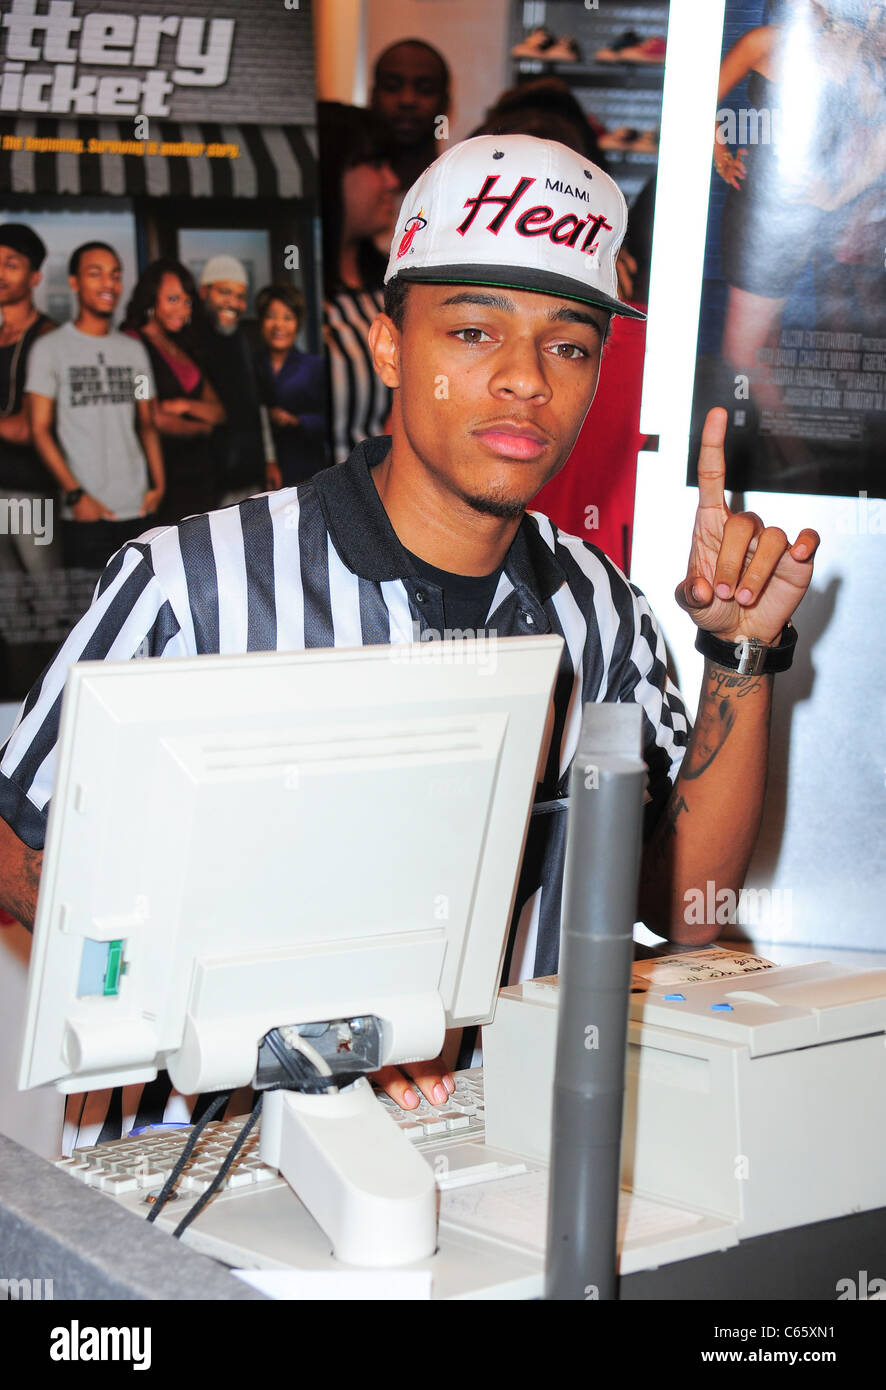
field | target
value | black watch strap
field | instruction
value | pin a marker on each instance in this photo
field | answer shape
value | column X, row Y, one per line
column 73, row 497
column 748, row 656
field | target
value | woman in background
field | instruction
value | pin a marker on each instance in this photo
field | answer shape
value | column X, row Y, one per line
column 292, row 384
column 357, row 187
column 813, row 186
column 187, row 408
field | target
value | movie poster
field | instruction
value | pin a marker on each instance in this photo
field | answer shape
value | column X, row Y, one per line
column 176, row 132
column 792, row 336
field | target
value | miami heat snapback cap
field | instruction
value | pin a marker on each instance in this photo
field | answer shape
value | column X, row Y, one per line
column 516, row 212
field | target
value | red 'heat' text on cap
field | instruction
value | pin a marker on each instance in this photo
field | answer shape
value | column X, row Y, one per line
column 538, row 220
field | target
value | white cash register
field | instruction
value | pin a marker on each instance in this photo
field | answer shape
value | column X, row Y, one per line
column 757, row 1098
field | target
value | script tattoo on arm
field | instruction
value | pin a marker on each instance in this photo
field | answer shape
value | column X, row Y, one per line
column 667, row 827
column 716, row 717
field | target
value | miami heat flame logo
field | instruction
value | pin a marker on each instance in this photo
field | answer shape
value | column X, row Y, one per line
column 414, row 225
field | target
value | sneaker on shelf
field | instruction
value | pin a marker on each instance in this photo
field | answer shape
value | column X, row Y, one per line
column 621, row 139
column 645, row 143
column 565, row 50
column 535, row 45
column 651, row 51
column 629, row 39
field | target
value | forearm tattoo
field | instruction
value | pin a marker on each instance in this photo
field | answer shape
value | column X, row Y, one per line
column 716, row 716
column 21, row 889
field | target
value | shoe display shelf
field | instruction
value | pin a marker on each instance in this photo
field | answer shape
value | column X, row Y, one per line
column 619, row 94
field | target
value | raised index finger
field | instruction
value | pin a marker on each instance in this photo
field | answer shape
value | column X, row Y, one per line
column 712, row 460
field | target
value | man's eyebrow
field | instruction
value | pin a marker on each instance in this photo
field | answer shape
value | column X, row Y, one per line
column 486, row 301
column 566, row 315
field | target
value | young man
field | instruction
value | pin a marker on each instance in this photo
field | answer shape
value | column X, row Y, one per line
column 242, row 447
column 89, row 391
column 23, row 479
column 410, row 92
column 427, row 531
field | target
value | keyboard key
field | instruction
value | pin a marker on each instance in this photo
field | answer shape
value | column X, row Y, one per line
column 458, row 1121
column 150, row 1178
column 241, row 1177
column 76, row 1167
column 196, row 1185
column 434, row 1126
column 116, row 1183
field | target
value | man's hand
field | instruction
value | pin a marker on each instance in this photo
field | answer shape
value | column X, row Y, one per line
column 90, row 509
column 284, row 419
column 432, row 1079
column 151, row 501
column 273, row 476
column 743, row 579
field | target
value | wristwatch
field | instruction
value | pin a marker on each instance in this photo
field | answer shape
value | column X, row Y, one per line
column 73, row 497
column 749, row 656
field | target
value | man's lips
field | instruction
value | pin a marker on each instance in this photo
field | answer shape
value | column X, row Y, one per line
column 513, row 441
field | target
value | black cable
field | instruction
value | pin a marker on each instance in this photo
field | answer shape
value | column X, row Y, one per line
column 223, row 1170
column 299, row 1068
column 163, row 1195
column 302, row 1073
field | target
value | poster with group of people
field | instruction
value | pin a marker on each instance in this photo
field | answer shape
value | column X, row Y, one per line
column 160, row 345
column 792, row 336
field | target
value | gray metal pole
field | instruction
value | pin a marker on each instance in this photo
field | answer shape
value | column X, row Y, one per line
column 596, row 950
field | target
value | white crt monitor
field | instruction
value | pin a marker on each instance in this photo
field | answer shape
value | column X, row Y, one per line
column 242, row 844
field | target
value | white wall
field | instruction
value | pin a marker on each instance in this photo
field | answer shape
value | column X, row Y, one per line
column 339, row 42
column 824, row 830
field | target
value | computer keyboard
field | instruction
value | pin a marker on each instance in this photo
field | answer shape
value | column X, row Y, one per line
column 137, row 1166
column 463, row 1115
column 492, row 1203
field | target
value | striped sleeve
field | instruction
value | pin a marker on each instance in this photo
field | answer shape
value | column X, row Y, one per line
column 625, row 659
column 359, row 399
column 644, row 679
column 130, row 616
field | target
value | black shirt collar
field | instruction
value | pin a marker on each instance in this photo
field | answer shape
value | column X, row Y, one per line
column 367, row 542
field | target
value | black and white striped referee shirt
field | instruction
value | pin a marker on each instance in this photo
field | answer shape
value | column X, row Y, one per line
column 321, row 566
column 359, row 401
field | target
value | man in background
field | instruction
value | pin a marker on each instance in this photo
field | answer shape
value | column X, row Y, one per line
column 241, row 448
column 23, row 479
column 89, row 391
column 410, row 91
